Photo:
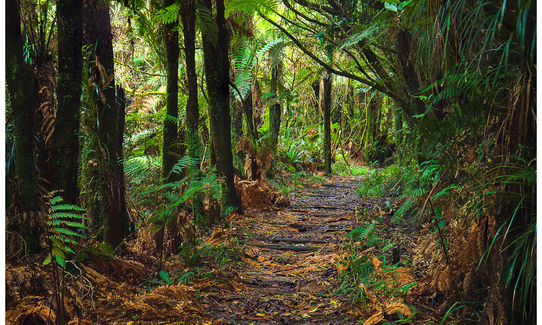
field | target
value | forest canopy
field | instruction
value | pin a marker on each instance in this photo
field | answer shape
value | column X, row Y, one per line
column 153, row 144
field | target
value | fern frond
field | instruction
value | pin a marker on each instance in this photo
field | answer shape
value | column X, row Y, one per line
column 66, row 215
column 167, row 15
column 251, row 6
column 357, row 37
column 67, row 232
column 206, row 23
column 63, row 222
column 58, row 207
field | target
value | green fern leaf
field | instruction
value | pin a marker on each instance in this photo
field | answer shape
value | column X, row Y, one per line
column 167, row 15
column 357, row 37
column 70, row 207
column 67, row 232
column 251, row 7
column 206, row 23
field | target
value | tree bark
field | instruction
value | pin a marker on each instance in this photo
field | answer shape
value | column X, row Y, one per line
column 170, row 149
column 326, row 109
column 398, row 119
column 248, row 108
column 237, row 122
column 110, row 121
column 274, row 108
column 217, row 67
column 188, row 17
column 66, row 132
column 22, row 89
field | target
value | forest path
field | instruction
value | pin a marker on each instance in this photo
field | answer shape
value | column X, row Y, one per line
column 290, row 260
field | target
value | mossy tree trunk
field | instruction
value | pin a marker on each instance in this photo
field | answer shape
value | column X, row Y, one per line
column 66, row 132
column 22, row 89
column 188, row 16
column 275, row 108
column 217, row 67
column 237, row 121
column 110, row 120
column 372, row 125
column 171, row 144
column 398, row 120
column 170, row 148
column 326, row 109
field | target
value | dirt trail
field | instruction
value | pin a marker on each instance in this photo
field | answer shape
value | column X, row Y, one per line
column 290, row 259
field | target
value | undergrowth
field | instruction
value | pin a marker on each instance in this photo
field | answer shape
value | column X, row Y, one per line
column 369, row 280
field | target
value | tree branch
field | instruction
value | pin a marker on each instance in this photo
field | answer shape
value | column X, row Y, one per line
column 327, row 66
column 314, row 21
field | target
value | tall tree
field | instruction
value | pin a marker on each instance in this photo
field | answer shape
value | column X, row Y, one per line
column 22, row 88
column 326, row 109
column 217, row 67
column 170, row 149
column 188, row 17
column 66, row 132
column 109, row 120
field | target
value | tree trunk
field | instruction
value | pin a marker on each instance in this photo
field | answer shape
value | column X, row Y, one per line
column 369, row 127
column 410, row 104
column 188, row 16
column 66, row 132
column 22, row 88
column 237, row 122
column 398, row 116
column 274, row 108
column 326, row 109
column 110, row 121
column 170, row 149
column 217, row 67
column 248, row 108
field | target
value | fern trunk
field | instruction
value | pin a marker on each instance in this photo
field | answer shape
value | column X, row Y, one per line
column 217, row 68
column 110, row 121
column 66, row 132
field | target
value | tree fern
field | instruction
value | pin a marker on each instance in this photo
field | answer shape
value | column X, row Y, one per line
column 243, row 63
column 270, row 45
column 177, row 193
column 138, row 169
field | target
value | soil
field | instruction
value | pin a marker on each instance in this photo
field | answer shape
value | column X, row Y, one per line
column 289, row 274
